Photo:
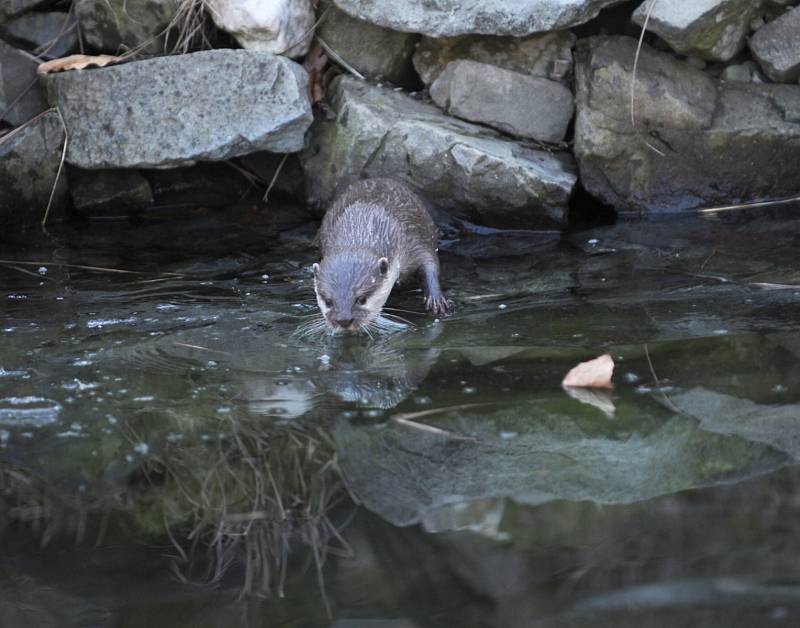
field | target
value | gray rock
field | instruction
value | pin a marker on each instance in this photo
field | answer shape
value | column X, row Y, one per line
column 52, row 34
column 112, row 26
column 446, row 18
column 711, row 29
column 377, row 53
column 743, row 72
column 108, row 192
column 548, row 55
column 10, row 8
column 463, row 168
column 526, row 106
column 722, row 142
column 171, row 111
column 20, row 95
column 776, row 47
column 29, row 160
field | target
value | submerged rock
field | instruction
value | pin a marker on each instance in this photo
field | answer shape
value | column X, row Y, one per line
column 51, row 34
column 461, row 167
column 113, row 26
column 376, row 52
column 548, row 55
column 526, row 106
column 171, row 111
column 20, row 95
column 776, row 47
column 722, row 142
column 539, row 453
column 711, row 29
column 489, row 17
column 29, row 160
column 108, row 192
column 277, row 26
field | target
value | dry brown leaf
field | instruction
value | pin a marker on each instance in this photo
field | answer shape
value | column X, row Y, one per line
column 592, row 374
column 77, row 62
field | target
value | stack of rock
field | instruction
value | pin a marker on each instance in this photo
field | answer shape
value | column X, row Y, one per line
column 497, row 111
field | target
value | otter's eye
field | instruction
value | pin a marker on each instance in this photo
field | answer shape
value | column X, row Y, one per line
column 328, row 302
column 362, row 300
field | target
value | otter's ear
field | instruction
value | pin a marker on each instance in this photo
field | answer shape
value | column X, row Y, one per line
column 383, row 264
column 315, row 268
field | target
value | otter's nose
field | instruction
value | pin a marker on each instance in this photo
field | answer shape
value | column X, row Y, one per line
column 344, row 323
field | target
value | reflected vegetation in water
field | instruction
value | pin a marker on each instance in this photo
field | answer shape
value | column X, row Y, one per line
column 173, row 454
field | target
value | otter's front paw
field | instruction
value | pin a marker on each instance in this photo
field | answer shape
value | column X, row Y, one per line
column 438, row 305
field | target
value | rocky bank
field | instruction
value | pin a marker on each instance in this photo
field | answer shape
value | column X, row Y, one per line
column 512, row 114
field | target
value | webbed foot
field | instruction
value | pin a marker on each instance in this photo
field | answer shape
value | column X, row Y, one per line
column 438, row 305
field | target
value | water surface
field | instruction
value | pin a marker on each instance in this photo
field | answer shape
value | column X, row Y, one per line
column 172, row 454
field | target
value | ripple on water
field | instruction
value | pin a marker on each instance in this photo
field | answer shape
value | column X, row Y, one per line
column 28, row 411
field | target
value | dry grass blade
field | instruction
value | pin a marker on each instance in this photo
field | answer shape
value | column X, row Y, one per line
column 339, row 59
column 633, row 77
column 58, row 173
column 275, row 177
column 424, row 427
column 100, row 269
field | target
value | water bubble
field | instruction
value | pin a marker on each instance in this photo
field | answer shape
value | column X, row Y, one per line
column 502, row 306
column 469, row 390
column 141, row 448
column 42, row 270
column 631, row 378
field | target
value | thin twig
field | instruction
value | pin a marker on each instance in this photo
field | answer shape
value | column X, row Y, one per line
column 58, row 172
column 633, row 77
column 339, row 59
column 275, row 177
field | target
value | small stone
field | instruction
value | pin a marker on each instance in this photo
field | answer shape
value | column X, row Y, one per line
column 114, row 26
column 776, row 47
column 547, row 55
column 742, row 72
column 20, row 95
column 277, row 26
column 521, row 105
column 10, row 8
column 377, row 53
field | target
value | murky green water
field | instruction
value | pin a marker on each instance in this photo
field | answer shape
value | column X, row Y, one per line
column 170, row 455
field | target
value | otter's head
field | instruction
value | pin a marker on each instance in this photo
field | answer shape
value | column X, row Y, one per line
column 352, row 288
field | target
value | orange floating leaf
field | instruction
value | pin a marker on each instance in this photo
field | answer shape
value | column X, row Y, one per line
column 592, row 374
column 77, row 62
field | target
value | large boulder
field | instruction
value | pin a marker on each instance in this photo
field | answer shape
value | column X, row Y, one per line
column 711, row 29
column 776, row 47
column 461, row 167
column 488, row 17
column 113, row 26
column 718, row 142
column 548, row 55
column 376, row 52
column 29, row 163
column 20, row 96
column 171, row 111
column 521, row 105
column 277, row 26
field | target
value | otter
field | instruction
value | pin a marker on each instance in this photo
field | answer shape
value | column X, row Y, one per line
column 375, row 233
